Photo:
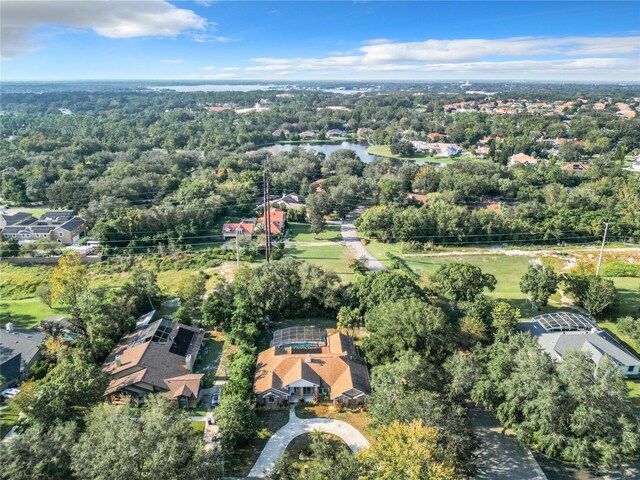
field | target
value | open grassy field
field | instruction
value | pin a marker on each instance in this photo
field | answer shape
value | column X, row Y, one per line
column 331, row 257
column 239, row 462
column 628, row 294
column 385, row 151
column 27, row 312
column 299, row 232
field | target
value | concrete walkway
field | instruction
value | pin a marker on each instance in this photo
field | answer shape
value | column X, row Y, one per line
column 299, row 426
column 500, row 456
column 353, row 243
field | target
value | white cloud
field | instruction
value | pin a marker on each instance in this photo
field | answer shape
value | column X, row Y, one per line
column 111, row 19
column 377, row 41
column 208, row 38
column 205, row 3
column 208, row 67
column 534, row 57
column 231, row 69
column 177, row 61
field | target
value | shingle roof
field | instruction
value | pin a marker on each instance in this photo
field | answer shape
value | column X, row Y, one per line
column 19, row 218
column 57, row 216
column 149, row 349
column 598, row 342
column 72, row 224
column 17, row 350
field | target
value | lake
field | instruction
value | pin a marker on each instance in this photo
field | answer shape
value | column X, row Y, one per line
column 326, row 148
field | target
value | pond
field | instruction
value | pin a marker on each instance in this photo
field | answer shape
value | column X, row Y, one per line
column 326, row 148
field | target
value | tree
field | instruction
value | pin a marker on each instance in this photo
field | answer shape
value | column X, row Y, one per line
column 461, row 281
column 596, row 294
column 505, row 319
column 41, row 452
column 190, row 291
column 631, row 327
column 157, row 442
column 540, row 283
column 217, row 307
column 349, row 318
column 142, row 287
column 45, row 293
column 408, row 325
column 9, row 248
column 384, row 286
column 404, row 451
column 71, row 385
column 403, row 149
column 237, row 420
column 68, row 279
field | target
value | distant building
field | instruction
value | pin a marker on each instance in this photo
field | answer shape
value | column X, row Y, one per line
column 290, row 201
column 62, row 226
column 305, row 363
column 558, row 333
column 242, row 229
column 308, row 135
column 156, row 357
column 279, row 133
column 423, row 199
column 575, row 167
column 19, row 350
column 522, row 159
column 334, row 132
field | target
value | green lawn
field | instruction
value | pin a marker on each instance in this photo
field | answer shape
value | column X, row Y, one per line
column 299, row 232
column 8, row 418
column 17, row 282
column 629, row 295
column 385, row 151
column 27, row 312
column 198, row 428
column 634, row 392
column 331, row 257
column 208, row 360
column 239, row 462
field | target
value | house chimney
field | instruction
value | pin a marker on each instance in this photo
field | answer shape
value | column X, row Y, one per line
column 118, row 361
column 9, row 327
column 188, row 362
column 308, row 359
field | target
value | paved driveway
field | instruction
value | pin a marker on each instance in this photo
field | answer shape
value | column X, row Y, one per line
column 299, row 426
column 501, row 457
column 353, row 243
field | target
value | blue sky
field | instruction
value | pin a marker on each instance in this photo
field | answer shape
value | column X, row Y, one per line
column 219, row 40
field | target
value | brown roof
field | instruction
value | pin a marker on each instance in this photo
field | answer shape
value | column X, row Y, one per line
column 152, row 355
column 336, row 366
column 575, row 166
column 185, row 385
column 523, row 158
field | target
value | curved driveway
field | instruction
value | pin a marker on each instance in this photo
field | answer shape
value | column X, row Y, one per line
column 353, row 243
column 299, row 426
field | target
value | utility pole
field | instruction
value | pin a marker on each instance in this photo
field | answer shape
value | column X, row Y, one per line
column 267, row 210
column 604, row 239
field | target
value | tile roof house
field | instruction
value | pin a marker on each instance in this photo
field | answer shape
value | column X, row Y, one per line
column 290, row 201
column 559, row 332
column 423, row 199
column 307, row 363
column 242, row 229
column 522, row 159
column 19, row 349
column 277, row 221
column 575, row 167
column 156, row 357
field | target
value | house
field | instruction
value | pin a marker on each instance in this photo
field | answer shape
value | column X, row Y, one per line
column 308, row 135
column 444, row 149
column 277, row 219
column 306, row 363
column 559, row 332
column 16, row 219
column 334, row 132
column 242, row 229
column 364, row 132
column 62, row 226
column 157, row 357
column 434, row 136
column 575, row 167
column 279, row 133
column 522, row 159
column 289, row 201
column 317, row 186
column 19, row 350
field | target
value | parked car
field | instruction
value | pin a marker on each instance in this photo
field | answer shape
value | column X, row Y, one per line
column 10, row 392
column 215, row 399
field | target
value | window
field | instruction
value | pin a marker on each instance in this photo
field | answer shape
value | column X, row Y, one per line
column 292, row 390
column 307, row 390
column 271, row 399
column 630, row 369
column 324, row 391
column 60, row 234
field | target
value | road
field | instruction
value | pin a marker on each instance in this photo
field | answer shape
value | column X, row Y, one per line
column 353, row 243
